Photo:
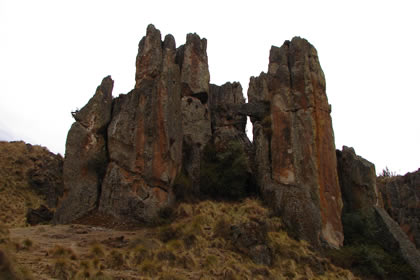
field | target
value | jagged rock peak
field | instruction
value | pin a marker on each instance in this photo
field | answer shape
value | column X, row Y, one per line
column 95, row 115
column 149, row 57
column 195, row 75
column 86, row 156
column 169, row 42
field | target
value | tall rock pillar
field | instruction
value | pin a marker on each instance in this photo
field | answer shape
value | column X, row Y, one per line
column 196, row 125
column 295, row 150
column 145, row 135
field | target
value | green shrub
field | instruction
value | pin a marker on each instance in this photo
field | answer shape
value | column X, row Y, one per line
column 224, row 172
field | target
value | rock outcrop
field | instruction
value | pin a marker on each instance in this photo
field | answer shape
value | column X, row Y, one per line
column 86, row 156
column 154, row 132
column 196, row 120
column 294, row 144
column 357, row 181
column 41, row 215
column 394, row 238
column 361, row 204
column 401, row 199
column 145, row 135
column 125, row 163
column 228, row 122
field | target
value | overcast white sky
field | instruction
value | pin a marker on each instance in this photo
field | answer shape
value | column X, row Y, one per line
column 53, row 54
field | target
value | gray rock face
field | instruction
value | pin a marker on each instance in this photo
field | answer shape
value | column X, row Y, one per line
column 86, row 156
column 41, row 215
column 360, row 197
column 222, row 99
column 145, row 135
column 195, row 75
column 294, row 144
column 357, row 181
column 401, row 199
column 394, row 238
column 228, row 121
column 196, row 122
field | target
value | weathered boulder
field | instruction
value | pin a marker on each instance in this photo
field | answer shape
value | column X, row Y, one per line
column 401, row 199
column 145, row 135
column 294, row 144
column 41, row 215
column 196, row 123
column 86, row 156
column 357, row 178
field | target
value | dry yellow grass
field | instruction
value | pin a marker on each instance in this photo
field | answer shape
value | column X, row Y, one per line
column 197, row 244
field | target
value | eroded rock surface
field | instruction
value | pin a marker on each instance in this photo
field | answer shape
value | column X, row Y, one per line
column 162, row 126
column 401, row 199
column 196, row 119
column 86, row 156
column 294, row 143
column 145, row 135
column 361, row 204
column 357, row 181
column 394, row 238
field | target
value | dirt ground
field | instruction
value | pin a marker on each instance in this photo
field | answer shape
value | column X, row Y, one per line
column 79, row 238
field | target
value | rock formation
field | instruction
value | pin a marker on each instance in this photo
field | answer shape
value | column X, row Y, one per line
column 155, row 131
column 161, row 127
column 228, row 122
column 393, row 238
column 361, row 204
column 145, row 135
column 196, row 123
column 294, row 144
column 357, row 181
column 86, row 156
column 401, row 199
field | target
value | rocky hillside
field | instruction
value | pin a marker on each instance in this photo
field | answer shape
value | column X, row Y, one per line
column 30, row 175
column 207, row 240
column 171, row 165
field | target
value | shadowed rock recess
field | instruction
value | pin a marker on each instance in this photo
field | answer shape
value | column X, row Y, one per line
column 126, row 155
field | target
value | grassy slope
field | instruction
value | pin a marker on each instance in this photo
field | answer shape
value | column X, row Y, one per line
column 196, row 244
